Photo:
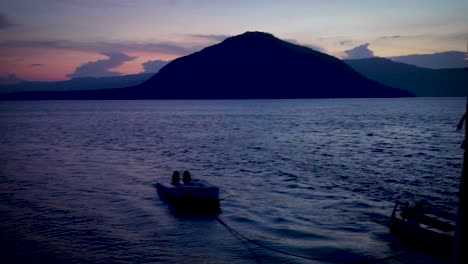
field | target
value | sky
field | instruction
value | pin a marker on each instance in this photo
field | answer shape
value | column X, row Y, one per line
column 52, row 40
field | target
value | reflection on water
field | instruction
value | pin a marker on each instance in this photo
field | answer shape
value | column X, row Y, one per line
column 315, row 178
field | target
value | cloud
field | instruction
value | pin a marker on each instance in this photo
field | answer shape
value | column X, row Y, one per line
column 157, row 47
column 212, row 37
column 391, row 37
column 345, row 42
column 154, row 66
column 5, row 22
column 312, row 46
column 219, row 38
column 102, row 68
column 359, row 52
column 293, row 41
column 96, row 4
column 455, row 36
column 164, row 47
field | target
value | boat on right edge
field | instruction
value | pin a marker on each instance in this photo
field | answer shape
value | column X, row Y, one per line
column 424, row 226
column 434, row 230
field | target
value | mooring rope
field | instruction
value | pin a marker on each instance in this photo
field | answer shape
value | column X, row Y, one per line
column 240, row 237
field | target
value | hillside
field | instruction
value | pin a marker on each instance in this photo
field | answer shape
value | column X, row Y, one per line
column 89, row 83
column 259, row 65
column 421, row 81
column 440, row 60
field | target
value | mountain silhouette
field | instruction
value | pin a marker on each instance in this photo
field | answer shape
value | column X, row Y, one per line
column 440, row 60
column 84, row 83
column 423, row 82
column 253, row 65
column 259, row 65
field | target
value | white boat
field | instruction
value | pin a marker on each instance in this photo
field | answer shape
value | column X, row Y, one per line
column 193, row 194
column 424, row 226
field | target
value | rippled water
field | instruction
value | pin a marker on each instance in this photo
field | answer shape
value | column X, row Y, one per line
column 316, row 178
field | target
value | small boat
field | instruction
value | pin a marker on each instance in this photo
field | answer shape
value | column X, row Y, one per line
column 190, row 194
column 424, row 226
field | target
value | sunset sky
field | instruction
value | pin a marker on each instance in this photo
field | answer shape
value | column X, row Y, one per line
column 50, row 39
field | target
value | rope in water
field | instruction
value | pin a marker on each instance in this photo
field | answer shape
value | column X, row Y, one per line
column 261, row 245
column 240, row 237
column 235, row 234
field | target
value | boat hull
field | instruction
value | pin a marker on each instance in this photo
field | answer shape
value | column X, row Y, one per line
column 189, row 198
column 428, row 229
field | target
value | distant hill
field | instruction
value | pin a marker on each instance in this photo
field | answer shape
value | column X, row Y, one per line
column 89, row 83
column 441, row 60
column 252, row 65
column 10, row 79
column 421, row 81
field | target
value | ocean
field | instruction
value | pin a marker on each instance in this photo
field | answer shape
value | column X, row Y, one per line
column 314, row 178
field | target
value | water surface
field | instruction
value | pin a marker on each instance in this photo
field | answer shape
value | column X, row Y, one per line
column 316, row 178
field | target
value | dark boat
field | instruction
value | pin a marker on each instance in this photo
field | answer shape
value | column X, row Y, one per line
column 189, row 195
column 423, row 226
column 433, row 229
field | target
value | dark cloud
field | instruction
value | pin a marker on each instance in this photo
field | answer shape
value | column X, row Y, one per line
column 391, row 37
column 162, row 47
column 219, row 38
column 293, row 41
column 102, row 68
column 37, row 65
column 97, row 4
column 359, row 52
column 154, row 66
column 312, row 46
column 178, row 49
column 213, row 37
column 5, row 22
column 158, row 47
column 345, row 42
column 453, row 36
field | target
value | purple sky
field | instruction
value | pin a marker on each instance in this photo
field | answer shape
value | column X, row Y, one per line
column 61, row 39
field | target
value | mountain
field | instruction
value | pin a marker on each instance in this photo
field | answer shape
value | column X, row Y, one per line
column 421, row 81
column 252, row 65
column 259, row 65
column 89, row 83
column 441, row 60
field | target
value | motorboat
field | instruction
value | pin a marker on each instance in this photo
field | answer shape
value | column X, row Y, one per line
column 424, row 226
column 189, row 194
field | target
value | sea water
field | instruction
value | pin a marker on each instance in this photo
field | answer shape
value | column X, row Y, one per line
column 315, row 178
